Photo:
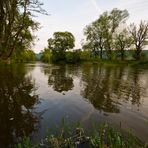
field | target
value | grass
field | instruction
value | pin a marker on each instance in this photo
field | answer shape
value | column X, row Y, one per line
column 132, row 63
column 69, row 136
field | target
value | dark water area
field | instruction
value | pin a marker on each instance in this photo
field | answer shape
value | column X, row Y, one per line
column 35, row 97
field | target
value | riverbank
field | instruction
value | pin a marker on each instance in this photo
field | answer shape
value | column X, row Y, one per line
column 131, row 63
column 118, row 62
column 143, row 63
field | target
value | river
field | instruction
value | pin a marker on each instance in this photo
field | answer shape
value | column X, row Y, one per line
column 35, row 97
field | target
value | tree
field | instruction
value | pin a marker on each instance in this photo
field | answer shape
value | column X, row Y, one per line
column 122, row 42
column 101, row 32
column 46, row 55
column 24, row 56
column 60, row 42
column 95, row 34
column 16, row 20
column 140, row 37
column 115, row 18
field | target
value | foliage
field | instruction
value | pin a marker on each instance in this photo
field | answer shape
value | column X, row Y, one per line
column 104, row 136
column 46, row 55
column 105, row 34
column 59, row 44
column 122, row 42
column 26, row 143
column 140, row 36
column 100, row 33
column 73, row 57
column 85, row 55
column 24, row 56
column 17, row 25
column 58, row 56
column 61, row 41
column 142, row 55
column 108, row 137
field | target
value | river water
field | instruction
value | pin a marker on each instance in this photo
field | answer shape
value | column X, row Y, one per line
column 35, row 97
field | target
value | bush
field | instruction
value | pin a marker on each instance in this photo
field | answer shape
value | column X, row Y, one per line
column 73, row 57
column 85, row 55
column 57, row 56
column 142, row 56
column 23, row 56
column 46, row 55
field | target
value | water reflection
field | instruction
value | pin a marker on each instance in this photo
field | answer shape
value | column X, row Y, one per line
column 107, row 87
column 94, row 91
column 59, row 79
column 17, row 100
column 90, row 92
column 97, row 88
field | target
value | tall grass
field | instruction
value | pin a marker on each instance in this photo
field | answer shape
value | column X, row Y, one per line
column 69, row 135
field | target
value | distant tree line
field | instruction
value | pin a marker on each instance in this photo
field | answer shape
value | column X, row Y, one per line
column 110, row 32
column 107, row 37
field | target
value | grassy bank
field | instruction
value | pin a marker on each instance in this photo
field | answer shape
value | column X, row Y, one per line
column 132, row 63
column 118, row 62
column 102, row 137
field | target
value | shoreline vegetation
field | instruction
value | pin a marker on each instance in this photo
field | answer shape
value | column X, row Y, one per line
column 77, row 61
column 131, row 63
column 119, row 63
column 83, row 57
column 102, row 136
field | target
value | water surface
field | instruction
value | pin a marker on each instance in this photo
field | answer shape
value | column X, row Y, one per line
column 35, row 97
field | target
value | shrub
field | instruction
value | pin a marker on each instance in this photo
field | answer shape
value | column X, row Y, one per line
column 46, row 55
column 57, row 56
column 85, row 55
column 73, row 57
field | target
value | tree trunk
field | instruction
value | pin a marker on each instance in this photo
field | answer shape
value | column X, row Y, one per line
column 122, row 55
column 101, row 53
column 138, row 53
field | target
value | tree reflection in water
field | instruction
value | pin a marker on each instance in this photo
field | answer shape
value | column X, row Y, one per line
column 59, row 79
column 17, row 100
column 107, row 87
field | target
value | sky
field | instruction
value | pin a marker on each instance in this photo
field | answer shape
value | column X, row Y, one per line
column 74, row 15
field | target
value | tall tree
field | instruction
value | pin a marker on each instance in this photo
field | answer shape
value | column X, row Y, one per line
column 116, row 18
column 95, row 34
column 140, row 37
column 61, row 41
column 101, row 32
column 122, row 42
column 16, row 18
